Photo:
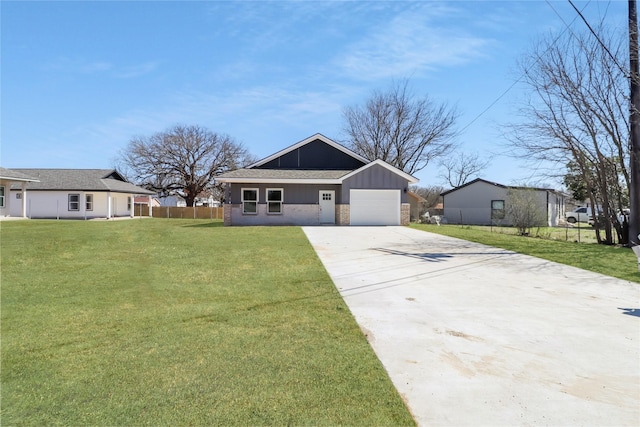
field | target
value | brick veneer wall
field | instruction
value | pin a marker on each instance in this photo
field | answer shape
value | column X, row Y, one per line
column 405, row 214
column 342, row 215
column 227, row 214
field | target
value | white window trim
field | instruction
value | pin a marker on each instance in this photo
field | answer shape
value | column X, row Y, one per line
column 88, row 202
column 76, row 202
column 256, row 201
column 3, row 197
column 281, row 201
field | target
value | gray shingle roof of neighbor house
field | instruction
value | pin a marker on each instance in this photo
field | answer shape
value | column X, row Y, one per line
column 12, row 175
column 499, row 185
column 80, row 180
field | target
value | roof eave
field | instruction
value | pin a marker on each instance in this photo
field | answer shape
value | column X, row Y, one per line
column 14, row 179
column 411, row 179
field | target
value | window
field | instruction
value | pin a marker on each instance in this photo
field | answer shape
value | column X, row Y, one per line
column 18, row 196
column 1, row 196
column 249, row 200
column 497, row 209
column 326, row 196
column 74, row 202
column 88, row 202
column 129, row 203
column 274, row 200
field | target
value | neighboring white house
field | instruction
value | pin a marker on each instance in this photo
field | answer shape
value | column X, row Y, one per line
column 173, row 200
column 76, row 193
column 9, row 207
column 482, row 202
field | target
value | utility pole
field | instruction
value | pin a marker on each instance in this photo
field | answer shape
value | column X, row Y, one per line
column 634, row 122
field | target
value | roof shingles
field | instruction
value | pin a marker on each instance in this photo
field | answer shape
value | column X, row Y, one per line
column 301, row 174
column 80, row 180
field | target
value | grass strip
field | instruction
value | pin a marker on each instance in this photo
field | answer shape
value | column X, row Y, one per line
column 612, row 261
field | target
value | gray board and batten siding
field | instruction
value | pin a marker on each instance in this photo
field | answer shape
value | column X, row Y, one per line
column 294, row 194
column 378, row 178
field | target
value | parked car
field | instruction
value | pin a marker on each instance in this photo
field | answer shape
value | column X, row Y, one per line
column 622, row 216
column 581, row 214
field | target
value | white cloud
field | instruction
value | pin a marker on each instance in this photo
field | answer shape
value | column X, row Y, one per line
column 76, row 65
column 136, row 70
column 413, row 42
column 245, row 114
column 84, row 66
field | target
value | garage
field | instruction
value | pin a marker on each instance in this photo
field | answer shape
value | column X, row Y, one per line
column 374, row 207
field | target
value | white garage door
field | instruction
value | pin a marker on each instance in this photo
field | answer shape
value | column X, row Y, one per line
column 375, row 207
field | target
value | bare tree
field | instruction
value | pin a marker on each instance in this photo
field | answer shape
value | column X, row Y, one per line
column 432, row 194
column 523, row 209
column 459, row 169
column 183, row 160
column 578, row 113
column 401, row 129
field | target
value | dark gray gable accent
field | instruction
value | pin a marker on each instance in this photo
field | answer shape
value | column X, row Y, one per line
column 315, row 155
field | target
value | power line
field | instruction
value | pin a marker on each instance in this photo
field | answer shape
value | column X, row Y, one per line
column 503, row 94
column 615, row 60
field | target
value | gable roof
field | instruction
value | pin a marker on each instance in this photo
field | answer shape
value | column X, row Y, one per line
column 498, row 185
column 81, row 180
column 418, row 198
column 296, row 176
column 254, row 174
column 12, row 175
column 386, row 165
column 317, row 136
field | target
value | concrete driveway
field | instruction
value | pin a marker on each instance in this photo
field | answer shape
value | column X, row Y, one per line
column 474, row 335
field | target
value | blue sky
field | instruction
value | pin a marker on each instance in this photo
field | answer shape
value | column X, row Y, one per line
column 80, row 79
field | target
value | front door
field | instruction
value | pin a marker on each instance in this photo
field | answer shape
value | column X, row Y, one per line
column 327, row 206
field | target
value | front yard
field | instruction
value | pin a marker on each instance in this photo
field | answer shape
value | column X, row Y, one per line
column 165, row 322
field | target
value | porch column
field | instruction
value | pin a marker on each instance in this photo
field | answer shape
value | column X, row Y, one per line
column 109, row 205
column 132, row 212
column 150, row 213
column 23, row 212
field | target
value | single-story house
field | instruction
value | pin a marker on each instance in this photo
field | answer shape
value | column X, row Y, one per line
column 9, row 177
column 316, row 181
column 482, row 202
column 147, row 201
column 173, row 200
column 418, row 206
column 77, row 193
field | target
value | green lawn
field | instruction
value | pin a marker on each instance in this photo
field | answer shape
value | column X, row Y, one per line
column 610, row 260
column 179, row 322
